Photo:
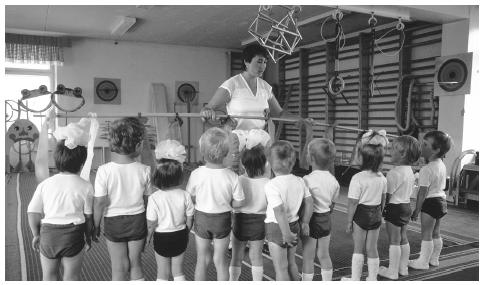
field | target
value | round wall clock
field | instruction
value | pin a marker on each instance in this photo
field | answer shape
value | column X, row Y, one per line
column 106, row 90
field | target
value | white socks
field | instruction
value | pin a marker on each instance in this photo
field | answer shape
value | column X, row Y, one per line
column 235, row 272
column 257, row 273
column 392, row 272
column 356, row 270
column 159, row 279
column 179, row 278
column 140, row 279
column 438, row 246
column 307, row 276
column 403, row 263
column 423, row 261
column 372, row 268
column 326, row 274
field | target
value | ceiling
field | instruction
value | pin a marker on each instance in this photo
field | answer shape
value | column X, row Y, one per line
column 196, row 25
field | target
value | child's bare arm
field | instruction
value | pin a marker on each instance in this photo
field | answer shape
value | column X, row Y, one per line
column 383, row 200
column 280, row 216
column 151, row 227
column 189, row 222
column 351, row 210
column 34, row 224
column 100, row 204
column 42, row 157
column 307, row 214
column 237, row 203
column 147, row 156
column 422, row 193
column 88, row 230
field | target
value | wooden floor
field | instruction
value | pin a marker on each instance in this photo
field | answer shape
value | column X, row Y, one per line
column 460, row 252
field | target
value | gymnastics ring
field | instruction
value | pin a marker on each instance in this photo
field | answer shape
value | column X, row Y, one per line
column 337, row 15
column 372, row 19
column 336, row 79
column 400, row 25
column 62, row 90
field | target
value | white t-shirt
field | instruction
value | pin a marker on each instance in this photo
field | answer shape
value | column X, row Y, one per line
column 433, row 176
column 244, row 102
column 63, row 199
column 324, row 189
column 214, row 189
column 367, row 187
column 288, row 190
column 400, row 182
column 255, row 201
column 125, row 185
column 170, row 209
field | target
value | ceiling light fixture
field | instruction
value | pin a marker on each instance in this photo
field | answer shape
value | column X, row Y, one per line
column 123, row 25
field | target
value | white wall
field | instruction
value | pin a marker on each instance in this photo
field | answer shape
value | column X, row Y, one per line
column 138, row 65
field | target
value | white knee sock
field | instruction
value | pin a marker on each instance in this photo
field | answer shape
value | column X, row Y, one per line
column 159, row 279
column 357, row 263
column 403, row 263
column 235, row 272
column 326, row 274
column 307, row 276
column 438, row 246
column 392, row 272
column 179, row 278
column 140, row 279
column 257, row 273
column 423, row 261
column 372, row 268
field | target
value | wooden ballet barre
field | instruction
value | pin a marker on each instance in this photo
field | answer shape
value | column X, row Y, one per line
column 197, row 115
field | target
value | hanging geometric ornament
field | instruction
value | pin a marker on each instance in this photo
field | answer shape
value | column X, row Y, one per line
column 277, row 31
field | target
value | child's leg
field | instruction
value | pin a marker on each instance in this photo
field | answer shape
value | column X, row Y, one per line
column 237, row 253
column 324, row 258
column 293, row 270
column 72, row 266
column 359, row 239
column 394, row 233
column 309, row 245
column 203, row 252
column 372, row 254
column 256, row 258
column 405, row 251
column 135, row 248
column 220, row 246
column 50, row 267
column 280, row 262
column 427, row 227
column 164, row 267
column 177, row 267
column 437, row 245
column 118, row 252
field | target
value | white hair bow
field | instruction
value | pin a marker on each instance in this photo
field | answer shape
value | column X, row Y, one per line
column 375, row 137
column 170, row 149
column 249, row 139
column 74, row 134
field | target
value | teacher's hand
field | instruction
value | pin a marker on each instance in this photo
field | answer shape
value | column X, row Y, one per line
column 207, row 114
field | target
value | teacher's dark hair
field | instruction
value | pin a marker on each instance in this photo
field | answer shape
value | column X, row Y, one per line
column 250, row 51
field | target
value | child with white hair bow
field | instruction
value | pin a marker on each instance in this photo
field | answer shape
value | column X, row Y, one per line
column 248, row 222
column 60, row 212
column 170, row 211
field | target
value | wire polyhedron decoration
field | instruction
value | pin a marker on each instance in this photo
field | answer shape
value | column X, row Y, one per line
column 279, row 34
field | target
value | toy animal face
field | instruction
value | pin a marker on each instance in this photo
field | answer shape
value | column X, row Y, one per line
column 22, row 130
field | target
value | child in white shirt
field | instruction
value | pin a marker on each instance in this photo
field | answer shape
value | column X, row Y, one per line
column 405, row 150
column 324, row 189
column 170, row 211
column 285, row 194
column 366, row 198
column 248, row 220
column 121, row 189
column 215, row 190
column 431, row 199
column 60, row 212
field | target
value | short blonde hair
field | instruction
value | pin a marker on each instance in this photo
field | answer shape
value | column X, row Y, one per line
column 282, row 156
column 410, row 145
column 214, row 145
column 322, row 151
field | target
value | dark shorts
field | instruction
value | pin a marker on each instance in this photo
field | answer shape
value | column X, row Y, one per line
column 125, row 228
column 57, row 241
column 320, row 225
column 436, row 207
column 212, row 226
column 368, row 217
column 171, row 244
column 249, row 226
column 397, row 214
column 274, row 234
